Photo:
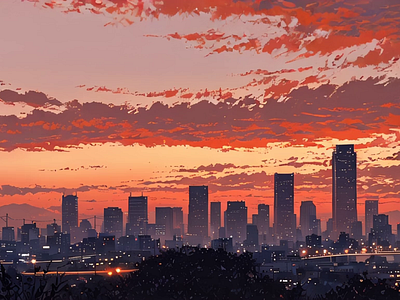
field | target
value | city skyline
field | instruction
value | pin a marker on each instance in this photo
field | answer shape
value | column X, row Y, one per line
column 104, row 104
column 138, row 205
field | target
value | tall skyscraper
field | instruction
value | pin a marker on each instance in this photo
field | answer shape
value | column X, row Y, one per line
column 113, row 222
column 178, row 220
column 263, row 221
column 137, row 215
column 69, row 213
column 165, row 216
column 215, row 219
column 308, row 218
column 344, row 188
column 371, row 209
column 236, row 220
column 284, row 217
column 198, row 211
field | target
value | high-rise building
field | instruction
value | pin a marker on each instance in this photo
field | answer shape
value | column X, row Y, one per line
column 371, row 209
column 8, row 234
column 344, row 188
column 215, row 219
column 165, row 216
column 381, row 232
column 236, row 220
column 284, row 217
column 356, row 230
column 137, row 215
column 252, row 235
column 398, row 232
column 308, row 218
column 262, row 222
column 113, row 222
column 29, row 232
column 178, row 221
column 53, row 228
column 69, row 213
column 198, row 212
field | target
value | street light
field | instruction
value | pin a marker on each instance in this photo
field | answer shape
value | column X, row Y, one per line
column 33, row 261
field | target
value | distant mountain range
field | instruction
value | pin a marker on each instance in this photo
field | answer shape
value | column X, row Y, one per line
column 18, row 212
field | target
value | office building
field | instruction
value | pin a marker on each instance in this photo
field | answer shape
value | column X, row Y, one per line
column 356, row 230
column 381, row 232
column 53, row 228
column 344, row 188
column 198, row 212
column 8, row 234
column 252, row 236
column 69, row 213
column 398, row 232
column 308, row 218
column 284, row 217
column 262, row 222
column 113, row 222
column 137, row 215
column 371, row 209
column 29, row 232
column 236, row 221
column 215, row 219
column 179, row 229
column 165, row 216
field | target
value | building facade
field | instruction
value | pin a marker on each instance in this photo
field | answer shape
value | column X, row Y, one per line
column 344, row 188
column 69, row 213
column 284, row 217
column 113, row 221
column 137, row 215
column 198, row 212
column 215, row 219
column 236, row 221
column 371, row 209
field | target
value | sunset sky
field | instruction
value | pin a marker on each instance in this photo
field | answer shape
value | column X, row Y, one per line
column 108, row 97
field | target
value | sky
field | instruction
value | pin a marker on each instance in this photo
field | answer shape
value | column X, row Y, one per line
column 111, row 97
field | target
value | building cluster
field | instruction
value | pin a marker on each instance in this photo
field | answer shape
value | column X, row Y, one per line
column 209, row 226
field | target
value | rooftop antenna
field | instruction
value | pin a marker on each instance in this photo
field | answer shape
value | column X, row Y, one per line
column 54, row 221
column 94, row 222
column 6, row 219
column 130, row 194
column 23, row 221
column 142, row 193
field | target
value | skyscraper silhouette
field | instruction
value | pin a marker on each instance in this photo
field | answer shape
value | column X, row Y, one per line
column 344, row 188
column 165, row 216
column 284, row 217
column 137, row 215
column 69, row 213
column 215, row 219
column 308, row 217
column 236, row 220
column 113, row 222
column 371, row 209
column 178, row 221
column 262, row 222
column 198, row 211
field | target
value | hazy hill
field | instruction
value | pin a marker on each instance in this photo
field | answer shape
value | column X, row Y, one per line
column 30, row 213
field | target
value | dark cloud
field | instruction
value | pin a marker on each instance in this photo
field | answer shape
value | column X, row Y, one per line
column 32, row 98
column 10, row 190
column 215, row 125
